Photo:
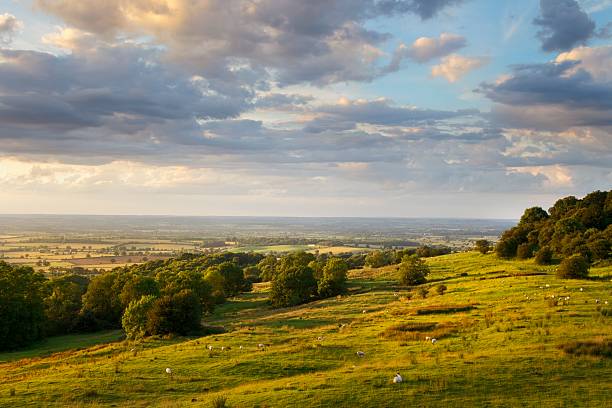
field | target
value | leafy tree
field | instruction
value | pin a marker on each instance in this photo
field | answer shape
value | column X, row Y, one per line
column 22, row 314
column 441, row 289
column 378, row 259
column 135, row 317
column 573, row 267
column 101, row 302
column 251, row 274
column 293, row 286
column 216, row 281
column 189, row 280
column 180, row 313
column 483, row 246
column 544, row 256
column 63, row 302
column 413, row 271
column 333, row 280
column 233, row 279
column 136, row 287
column 267, row 266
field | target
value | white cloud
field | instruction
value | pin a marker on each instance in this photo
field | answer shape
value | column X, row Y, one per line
column 454, row 67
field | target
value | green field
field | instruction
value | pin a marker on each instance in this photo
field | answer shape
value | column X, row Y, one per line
column 498, row 331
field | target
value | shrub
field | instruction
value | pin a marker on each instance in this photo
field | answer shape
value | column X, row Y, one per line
column 573, row 267
column 422, row 292
column 413, row 271
column 333, row 281
column 598, row 348
column 440, row 289
column 219, row 402
column 543, row 256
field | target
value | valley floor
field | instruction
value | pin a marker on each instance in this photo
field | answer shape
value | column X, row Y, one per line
column 498, row 329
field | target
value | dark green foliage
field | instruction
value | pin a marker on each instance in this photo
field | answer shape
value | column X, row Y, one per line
column 544, row 256
column 267, row 266
column 441, row 289
column 293, row 286
column 571, row 226
column 101, row 303
column 252, row 274
column 573, row 267
column 63, row 302
column 333, row 279
column 22, row 315
column 413, row 271
column 524, row 251
column 233, row 279
column 483, row 246
column 179, row 313
column 136, row 287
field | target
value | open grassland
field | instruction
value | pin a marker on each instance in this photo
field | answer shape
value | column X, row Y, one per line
column 503, row 340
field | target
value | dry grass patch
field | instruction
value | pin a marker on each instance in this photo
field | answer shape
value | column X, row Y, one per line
column 597, row 348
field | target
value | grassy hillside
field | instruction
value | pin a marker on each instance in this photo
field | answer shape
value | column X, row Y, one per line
column 499, row 335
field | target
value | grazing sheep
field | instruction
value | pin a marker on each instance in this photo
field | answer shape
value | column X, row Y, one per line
column 222, row 348
column 320, row 338
column 240, row 347
column 433, row 341
column 397, row 379
column 261, row 346
column 169, row 372
column 209, row 347
column 581, row 289
column 360, row 354
column 364, row 311
column 427, row 338
column 596, row 300
column 547, row 285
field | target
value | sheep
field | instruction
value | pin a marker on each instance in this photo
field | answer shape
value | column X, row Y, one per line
column 360, row 354
column 209, row 347
column 169, row 372
column 320, row 338
column 427, row 338
column 606, row 302
column 397, row 379
column 581, row 289
column 596, row 300
column 433, row 341
column 547, row 285
column 240, row 347
column 261, row 346
column 364, row 311
column 222, row 348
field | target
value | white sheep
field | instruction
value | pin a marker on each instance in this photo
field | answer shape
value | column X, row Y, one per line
column 261, row 346
column 581, row 289
column 222, row 348
column 364, row 311
column 360, row 354
column 427, row 338
column 596, row 300
column 240, row 347
column 209, row 347
column 433, row 341
column 169, row 371
column 397, row 379
column 320, row 338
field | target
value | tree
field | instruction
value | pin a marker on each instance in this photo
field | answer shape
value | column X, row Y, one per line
column 101, row 302
column 267, row 266
column 180, row 313
column 573, row 267
column 136, row 287
column 189, row 280
column 216, row 282
column 413, row 271
column 544, row 256
column 333, row 280
column 135, row 317
column 22, row 314
column 251, row 274
column 293, row 286
column 63, row 302
column 233, row 279
column 378, row 259
column 483, row 246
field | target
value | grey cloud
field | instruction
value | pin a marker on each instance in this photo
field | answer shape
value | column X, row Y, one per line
column 425, row 49
column 292, row 41
column 563, row 25
column 553, row 94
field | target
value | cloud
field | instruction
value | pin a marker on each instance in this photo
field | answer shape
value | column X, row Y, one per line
column 563, row 25
column 454, row 66
column 9, row 26
column 597, row 61
column 287, row 41
column 425, row 49
column 555, row 95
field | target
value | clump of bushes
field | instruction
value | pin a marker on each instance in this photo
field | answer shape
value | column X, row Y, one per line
column 413, row 271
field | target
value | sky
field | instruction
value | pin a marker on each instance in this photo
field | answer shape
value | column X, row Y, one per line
column 378, row 108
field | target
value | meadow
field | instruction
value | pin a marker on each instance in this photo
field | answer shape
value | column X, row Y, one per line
column 502, row 340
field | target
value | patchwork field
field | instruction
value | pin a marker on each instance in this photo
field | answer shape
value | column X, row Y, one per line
column 509, row 333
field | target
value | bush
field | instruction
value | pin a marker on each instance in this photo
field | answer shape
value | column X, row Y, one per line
column 573, row 267
column 544, row 256
column 422, row 292
column 413, row 271
column 134, row 320
column 440, row 289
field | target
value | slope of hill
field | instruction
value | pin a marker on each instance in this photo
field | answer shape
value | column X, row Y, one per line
column 509, row 333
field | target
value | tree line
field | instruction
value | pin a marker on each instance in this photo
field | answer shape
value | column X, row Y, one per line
column 576, row 231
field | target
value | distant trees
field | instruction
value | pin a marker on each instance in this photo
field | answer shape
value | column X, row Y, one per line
column 378, row 259
column 63, row 303
column 573, row 267
column 22, row 310
column 413, row 271
column 570, row 227
column 483, row 246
